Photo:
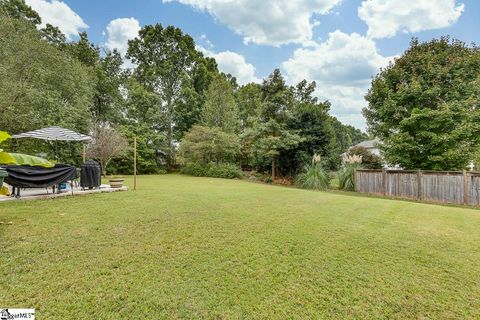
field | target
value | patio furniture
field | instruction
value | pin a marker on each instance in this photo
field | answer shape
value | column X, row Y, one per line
column 39, row 177
column 90, row 175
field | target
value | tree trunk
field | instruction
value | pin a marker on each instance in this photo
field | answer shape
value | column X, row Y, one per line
column 273, row 169
column 104, row 169
column 170, row 160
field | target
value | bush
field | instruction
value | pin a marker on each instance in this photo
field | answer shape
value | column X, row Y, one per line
column 346, row 177
column 208, row 145
column 313, row 177
column 222, row 170
column 369, row 160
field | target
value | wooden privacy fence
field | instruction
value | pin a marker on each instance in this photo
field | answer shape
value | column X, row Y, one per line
column 454, row 187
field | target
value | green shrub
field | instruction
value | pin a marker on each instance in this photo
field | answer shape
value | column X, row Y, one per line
column 313, row 177
column 222, row 170
column 346, row 177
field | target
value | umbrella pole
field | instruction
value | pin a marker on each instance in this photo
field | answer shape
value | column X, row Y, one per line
column 84, row 153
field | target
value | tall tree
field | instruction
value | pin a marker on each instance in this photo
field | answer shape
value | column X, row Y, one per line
column 311, row 121
column 107, row 68
column 424, row 107
column 270, row 134
column 107, row 144
column 277, row 99
column 220, row 109
column 18, row 9
column 40, row 85
column 188, row 111
column 249, row 102
column 53, row 35
column 143, row 119
column 164, row 59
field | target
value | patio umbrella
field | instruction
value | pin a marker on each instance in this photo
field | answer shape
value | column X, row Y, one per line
column 55, row 133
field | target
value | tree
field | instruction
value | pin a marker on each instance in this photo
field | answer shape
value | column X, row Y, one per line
column 142, row 119
column 311, row 121
column 164, row 59
column 220, row 109
column 277, row 99
column 345, row 137
column 107, row 144
column 111, row 78
column 18, row 9
column 424, row 107
column 249, row 102
column 204, row 145
column 40, row 85
column 53, row 35
column 85, row 51
column 271, row 138
column 188, row 111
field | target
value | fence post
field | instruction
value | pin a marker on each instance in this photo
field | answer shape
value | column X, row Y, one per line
column 419, row 185
column 355, row 180
column 465, row 188
column 384, row 182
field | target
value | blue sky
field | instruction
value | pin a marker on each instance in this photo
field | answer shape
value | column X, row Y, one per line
column 340, row 44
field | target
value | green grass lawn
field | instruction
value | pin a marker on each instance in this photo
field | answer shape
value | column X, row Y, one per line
column 184, row 247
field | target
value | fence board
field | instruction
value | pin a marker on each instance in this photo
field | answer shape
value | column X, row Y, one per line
column 455, row 187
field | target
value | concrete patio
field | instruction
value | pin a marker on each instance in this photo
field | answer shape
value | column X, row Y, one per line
column 39, row 193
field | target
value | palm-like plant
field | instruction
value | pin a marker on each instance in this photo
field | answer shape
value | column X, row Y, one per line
column 346, row 175
column 313, row 176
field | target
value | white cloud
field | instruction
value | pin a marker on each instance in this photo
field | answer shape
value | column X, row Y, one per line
column 385, row 18
column 233, row 63
column 342, row 66
column 119, row 31
column 267, row 22
column 58, row 14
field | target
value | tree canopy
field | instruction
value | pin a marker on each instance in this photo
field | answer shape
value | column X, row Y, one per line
column 424, row 107
column 174, row 101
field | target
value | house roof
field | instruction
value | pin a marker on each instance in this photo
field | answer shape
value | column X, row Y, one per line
column 369, row 144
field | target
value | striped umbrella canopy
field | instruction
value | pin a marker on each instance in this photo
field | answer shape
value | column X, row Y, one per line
column 54, row 134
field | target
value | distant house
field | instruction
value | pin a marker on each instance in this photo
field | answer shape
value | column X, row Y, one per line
column 370, row 145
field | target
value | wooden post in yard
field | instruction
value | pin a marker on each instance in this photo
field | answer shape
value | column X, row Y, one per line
column 355, row 180
column 465, row 188
column 384, row 182
column 135, row 163
column 419, row 185
column 84, row 153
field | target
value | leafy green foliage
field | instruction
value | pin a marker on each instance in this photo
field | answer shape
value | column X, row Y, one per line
column 220, row 108
column 214, row 170
column 311, row 121
column 249, row 101
column 269, row 139
column 345, row 137
column 171, row 75
column 40, row 85
column 46, row 80
column 205, row 145
column 314, row 177
column 369, row 160
column 4, row 136
column 27, row 160
column 346, row 177
column 424, row 107
column 18, row 9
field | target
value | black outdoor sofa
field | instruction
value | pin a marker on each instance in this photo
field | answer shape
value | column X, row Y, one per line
column 39, row 177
